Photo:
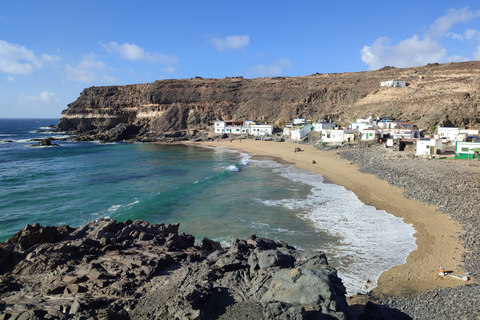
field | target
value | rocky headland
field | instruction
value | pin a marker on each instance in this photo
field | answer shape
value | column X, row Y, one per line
column 134, row 270
column 169, row 110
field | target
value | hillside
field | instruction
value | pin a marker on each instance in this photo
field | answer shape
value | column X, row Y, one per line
column 436, row 94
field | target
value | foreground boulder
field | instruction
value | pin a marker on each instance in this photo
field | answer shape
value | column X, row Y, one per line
column 134, row 270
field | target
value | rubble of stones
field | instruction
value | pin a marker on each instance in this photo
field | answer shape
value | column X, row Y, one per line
column 134, row 270
column 452, row 186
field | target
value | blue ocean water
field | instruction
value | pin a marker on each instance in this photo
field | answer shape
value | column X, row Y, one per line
column 215, row 193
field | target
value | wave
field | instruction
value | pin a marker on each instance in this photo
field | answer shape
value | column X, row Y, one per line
column 233, row 168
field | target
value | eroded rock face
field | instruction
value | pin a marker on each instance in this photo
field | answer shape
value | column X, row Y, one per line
column 134, row 270
column 436, row 94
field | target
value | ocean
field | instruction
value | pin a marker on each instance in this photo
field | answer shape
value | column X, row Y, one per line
column 212, row 192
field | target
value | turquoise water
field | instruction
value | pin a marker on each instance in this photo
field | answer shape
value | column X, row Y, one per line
column 214, row 193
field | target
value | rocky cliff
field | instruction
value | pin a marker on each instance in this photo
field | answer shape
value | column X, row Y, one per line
column 436, row 94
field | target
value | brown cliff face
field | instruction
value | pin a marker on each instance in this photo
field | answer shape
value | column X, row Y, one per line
column 436, row 94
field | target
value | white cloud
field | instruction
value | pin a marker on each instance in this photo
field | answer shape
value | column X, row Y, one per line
column 274, row 69
column 471, row 34
column 11, row 79
column 457, row 59
column 454, row 36
column 444, row 23
column 133, row 52
column 16, row 59
column 230, row 42
column 407, row 53
column 420, row 50
column 44, row 96
column 89, row 69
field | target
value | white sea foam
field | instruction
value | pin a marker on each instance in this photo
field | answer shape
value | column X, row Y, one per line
column 371, row 241
column 245, row 159
column 233, row 168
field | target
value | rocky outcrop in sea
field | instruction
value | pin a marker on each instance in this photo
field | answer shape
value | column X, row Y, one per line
column 134, row 270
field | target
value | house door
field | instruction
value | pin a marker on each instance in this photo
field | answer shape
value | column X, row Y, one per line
column 432, row 149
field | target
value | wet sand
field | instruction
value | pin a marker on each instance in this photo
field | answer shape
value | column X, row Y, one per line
column 436, row 234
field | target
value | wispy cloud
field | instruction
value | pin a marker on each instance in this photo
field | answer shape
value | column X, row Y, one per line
column 420, row 50
column 274, row 69
column 133, row 52
column 230, row 42
column 16, row 59
column 453, row 17
column 88, row 70
column 44, row 96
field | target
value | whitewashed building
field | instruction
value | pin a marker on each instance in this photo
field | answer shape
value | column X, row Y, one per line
column 219, row 126
column 299, row 121
column 368, row 134
column 393, row 83
column 453, row 133
column 233, row 129
column 400, row 133
column 338, row 135
column 230, row 127
column 467, row 150
column 300, row 132
column 261, row 129
column 319, row 126
column 361, row 124
column 429, row 146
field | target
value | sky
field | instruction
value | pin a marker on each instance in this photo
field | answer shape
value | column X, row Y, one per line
column 51, row 50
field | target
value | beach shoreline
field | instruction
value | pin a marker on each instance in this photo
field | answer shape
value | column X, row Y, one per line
column 436, row 234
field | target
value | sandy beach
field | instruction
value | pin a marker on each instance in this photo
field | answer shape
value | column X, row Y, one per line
column 436, row 234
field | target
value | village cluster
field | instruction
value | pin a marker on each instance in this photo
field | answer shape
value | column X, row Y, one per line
column 400, row 135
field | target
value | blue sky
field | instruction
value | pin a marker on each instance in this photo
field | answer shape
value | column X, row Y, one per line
column 51, row 50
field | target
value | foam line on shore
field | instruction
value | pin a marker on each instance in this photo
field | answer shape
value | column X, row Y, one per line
column 436, row 234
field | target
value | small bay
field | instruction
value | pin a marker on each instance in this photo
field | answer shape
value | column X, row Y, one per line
column 214, row 193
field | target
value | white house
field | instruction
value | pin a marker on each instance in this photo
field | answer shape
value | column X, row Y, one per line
column 338, row 135
column 467, row 150
column 319, row 126
column 299, row 121
column 361, row 124
column 429, row 146
column 368, row 134
column 219, row 126
column 233, row 129
column 261, row 129
column 453, row 133
column 300, row 132
column 400, row 133
column 393, row 83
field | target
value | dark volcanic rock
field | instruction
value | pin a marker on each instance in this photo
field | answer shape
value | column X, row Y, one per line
column 134, row 270
column 47, row 142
